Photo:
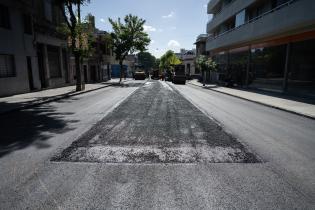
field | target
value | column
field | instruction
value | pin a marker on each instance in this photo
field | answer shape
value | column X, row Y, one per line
column 286, row 68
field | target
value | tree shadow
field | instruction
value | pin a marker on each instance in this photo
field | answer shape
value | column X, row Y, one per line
column 127, row 85
column 13, row 106
column 34, row 126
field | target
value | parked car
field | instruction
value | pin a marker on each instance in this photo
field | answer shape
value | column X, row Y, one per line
column 139, row 75
column 179, row 76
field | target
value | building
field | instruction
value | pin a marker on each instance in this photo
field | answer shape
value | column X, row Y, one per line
column 96, row 64
column 129, row 66
column 266, row 44
column 33, row 54
column 188, row 58
column 200, row 43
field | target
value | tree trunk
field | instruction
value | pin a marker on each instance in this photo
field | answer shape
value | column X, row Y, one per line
column 77, row 61
column 78, row 71
column 121, row 71
column 80, row 46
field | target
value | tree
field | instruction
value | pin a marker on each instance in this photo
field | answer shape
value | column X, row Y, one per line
column 157, row 63
column 146, row 59
column 205, row 64
column 128, row 37
column 168, row 60
column 71, row 10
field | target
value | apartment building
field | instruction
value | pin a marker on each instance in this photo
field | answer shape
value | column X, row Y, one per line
column 33, row 54
column 266, row 44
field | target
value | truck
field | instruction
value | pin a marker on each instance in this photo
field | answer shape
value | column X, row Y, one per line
column 179, row 76
column 155, row 74
column 139, row 75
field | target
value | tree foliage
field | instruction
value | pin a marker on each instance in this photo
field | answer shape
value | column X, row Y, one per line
column 147, row 60
column 72, row 16
column 128, row 37
column 206, row 64
column 168, row 60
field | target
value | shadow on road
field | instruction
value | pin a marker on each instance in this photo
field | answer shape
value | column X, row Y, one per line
column 21, row 129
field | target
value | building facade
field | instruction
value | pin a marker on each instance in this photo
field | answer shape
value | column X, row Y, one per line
column 97, row 60
column 33, row 55
column 266, row 44
column 200, row 43
column 188, row 58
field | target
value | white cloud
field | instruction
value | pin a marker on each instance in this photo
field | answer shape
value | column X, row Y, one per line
column 173, row 28
column 102, row 20
column 152, row 42
column 169, row 15
column 149, row 28
column 205, row 6
column 173, row 44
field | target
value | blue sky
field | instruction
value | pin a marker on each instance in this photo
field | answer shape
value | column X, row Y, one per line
column 171, row 24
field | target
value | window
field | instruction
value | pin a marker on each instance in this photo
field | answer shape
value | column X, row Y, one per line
column 27, row 19
column 7, row 67
column 54, row 62
column 4, row 17
column 48, row 10
column 240, row 18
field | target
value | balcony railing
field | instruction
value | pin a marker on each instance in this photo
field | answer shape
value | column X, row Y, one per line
column 220, row 11
column 255, row 19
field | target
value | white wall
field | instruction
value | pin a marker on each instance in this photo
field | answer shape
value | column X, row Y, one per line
column 14, row 42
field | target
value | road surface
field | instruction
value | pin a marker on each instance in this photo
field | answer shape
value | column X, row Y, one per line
column 155, row 145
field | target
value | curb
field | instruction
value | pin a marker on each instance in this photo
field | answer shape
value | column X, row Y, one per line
column 261, row 103
column 51, row 99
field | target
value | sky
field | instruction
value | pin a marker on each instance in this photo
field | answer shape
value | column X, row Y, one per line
column 171, row 24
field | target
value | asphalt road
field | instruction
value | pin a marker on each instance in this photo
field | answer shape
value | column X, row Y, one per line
column 51, row 155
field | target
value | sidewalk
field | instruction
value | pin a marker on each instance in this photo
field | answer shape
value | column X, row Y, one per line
column 286, row 104
column 21, row 101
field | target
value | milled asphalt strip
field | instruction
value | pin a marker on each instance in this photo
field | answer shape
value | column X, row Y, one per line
column 156, row 125
column 51, row 99
column 258, row 102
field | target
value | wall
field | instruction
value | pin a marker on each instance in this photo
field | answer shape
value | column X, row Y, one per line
column 14, row 41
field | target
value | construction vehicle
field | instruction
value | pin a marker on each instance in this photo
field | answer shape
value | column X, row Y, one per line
column 179, row 76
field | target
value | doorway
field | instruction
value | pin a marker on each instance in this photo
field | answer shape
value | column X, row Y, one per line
column 30, row 73
column 41, row 68
column 85, row 73
column 93, row 73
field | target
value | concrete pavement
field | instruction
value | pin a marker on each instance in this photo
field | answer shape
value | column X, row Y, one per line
column 301, row 108
column 21, row 101
column 26, row 100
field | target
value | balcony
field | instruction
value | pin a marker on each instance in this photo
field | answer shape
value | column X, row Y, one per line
column 227, row 12
column 289, row 17
column 211, row 5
